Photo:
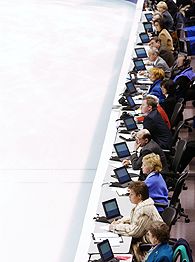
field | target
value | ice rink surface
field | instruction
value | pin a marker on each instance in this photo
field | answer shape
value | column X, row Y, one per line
column 59, row 66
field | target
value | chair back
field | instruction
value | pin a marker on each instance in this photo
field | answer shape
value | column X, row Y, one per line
column 179, row 151
column 168, row 216
column 182, row 251
column 176, row 132
column 178, row 188
column 178, row 109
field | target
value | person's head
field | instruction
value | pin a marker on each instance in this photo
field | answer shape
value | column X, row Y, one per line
column 153, row 54
column 156, row 73
column 162, row 7
column 154, row 42
column 138, row 191
column 158, row 232
column 159, row 25
column 157, row 15
column 183, row 61
column 168, row 87
column 150, row 163
column 143, row 137
column 148, row 104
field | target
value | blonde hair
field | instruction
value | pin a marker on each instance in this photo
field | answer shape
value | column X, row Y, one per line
column 153, row 161
column 163, row 5
column 158, row 73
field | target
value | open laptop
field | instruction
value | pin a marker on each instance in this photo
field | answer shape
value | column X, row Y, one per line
column 148, row 27
column 130, row 123
column 139, row 65
column 141, row 52
column 123, row 177
column 106, row 252
column 132, row 104
column 144, row 38
column 130, row 88
column 122, row 150
column 149, row 16
column 111, row 210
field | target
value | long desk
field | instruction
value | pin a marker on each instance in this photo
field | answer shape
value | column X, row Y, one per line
column 100, row 189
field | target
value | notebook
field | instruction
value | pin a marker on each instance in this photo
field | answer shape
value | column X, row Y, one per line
column 111, row 210
column 131, row 89
column 132, row 104
column 144, row 38
column 123, row 176
column 139, row 65
column 148, row 27
column 106, row 252
column 130, row 123
column 122, row 150
column 149, row 16
column 141, row 52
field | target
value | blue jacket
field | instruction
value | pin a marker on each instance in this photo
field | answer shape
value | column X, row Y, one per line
column 155, row 90
column 157, row 189
column 162, row 253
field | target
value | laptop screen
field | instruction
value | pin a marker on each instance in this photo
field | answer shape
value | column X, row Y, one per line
column 122, row 175
column 111, row 208
column 105, row 251
column 130, row 101
column 130, row 87
column 139, row 65
column 130, row 123
column 122, row 149
column 148, row 27
column 140, row 52
column 149, row 16
column 144, row 38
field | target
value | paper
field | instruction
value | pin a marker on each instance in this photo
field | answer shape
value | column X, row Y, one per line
column 121, row 191
column 105, row 235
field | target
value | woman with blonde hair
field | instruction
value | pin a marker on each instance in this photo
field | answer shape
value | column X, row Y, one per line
column 156, row 75
column 152, row 166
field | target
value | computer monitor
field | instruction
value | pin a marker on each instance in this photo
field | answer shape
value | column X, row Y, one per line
column 130, row 101
column 111, row 208
column 122, row 175
column 141, row 52
column 149, row 16
column 131, row 89
column 106, row 252
column 139, row 65
column 130, row 123
column 144, row 38
column 122, row 150
column 148, row 27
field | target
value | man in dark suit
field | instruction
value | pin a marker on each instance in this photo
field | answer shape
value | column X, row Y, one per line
column 148, row 146
column 153, row 121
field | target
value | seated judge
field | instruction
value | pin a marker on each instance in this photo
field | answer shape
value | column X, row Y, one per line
column 153, row 121
column 142, row 215
column 147, row 145
column 151, row 167
column 161, row 251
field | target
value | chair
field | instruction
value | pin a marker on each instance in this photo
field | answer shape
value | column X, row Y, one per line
column 177, row 114
column 182, row 251
column 175, row 200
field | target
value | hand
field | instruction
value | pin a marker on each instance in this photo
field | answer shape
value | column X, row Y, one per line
column 126, row 162
column 136, row 146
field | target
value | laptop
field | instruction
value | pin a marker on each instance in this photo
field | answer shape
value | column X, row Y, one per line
column 148, row 27
column 106, row 252
column 111, row 210
column 132, row 104
column 130, row 123
column 144, row 38
column 131, row 89
column 122, row 150
column 123, row 177
column 141, row 52
column 139, row 65
column 149, row 16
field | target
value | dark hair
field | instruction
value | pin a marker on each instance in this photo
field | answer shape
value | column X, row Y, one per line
column 161, row 23
column 169, row 85
column 156, row 39
column 147, row 135
column 140, row 188
column 160, row 230
column 151, row 101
